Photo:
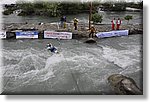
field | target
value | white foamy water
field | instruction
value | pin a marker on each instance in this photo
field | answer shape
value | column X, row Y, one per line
column 25, row 67
column 78, row 68
column 123, row 58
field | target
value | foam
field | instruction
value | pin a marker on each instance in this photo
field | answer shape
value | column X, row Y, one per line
column 30, row 68
column 54, row 59
column 122, row 58
column 89, row 63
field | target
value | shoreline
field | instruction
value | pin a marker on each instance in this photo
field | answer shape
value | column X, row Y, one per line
column 82, row 31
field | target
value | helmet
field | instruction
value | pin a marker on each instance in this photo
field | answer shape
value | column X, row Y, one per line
column 75, row 18
column 92, row 25
column 49, row 44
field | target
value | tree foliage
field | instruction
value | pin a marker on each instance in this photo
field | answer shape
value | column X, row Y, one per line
column 53, row 8
column 97, row 18
column 138, row 5
column 128, row 17
column 9, row 9
column 72, row 8
column 7, row 12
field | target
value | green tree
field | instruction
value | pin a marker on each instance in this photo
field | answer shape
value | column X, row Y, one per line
column 128, row 17
column 97, row 18
column 53, row 9
column 27, row 9
column 7, row 12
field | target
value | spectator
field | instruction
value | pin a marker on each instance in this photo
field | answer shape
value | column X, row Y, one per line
column 118, row 23
column 61, row 21
column 75, row 23
column 113, row 23
column 92, row 31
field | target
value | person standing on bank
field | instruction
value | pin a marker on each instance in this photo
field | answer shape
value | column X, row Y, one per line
column 92, row 31
column 118, row 24
column 65, row 20
column 75, row 23
column 61, row 21
column 113, row 23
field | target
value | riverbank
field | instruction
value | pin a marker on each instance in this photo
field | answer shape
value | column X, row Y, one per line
column 80, row 33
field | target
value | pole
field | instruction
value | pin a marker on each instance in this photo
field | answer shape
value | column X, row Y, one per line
column 90, row 14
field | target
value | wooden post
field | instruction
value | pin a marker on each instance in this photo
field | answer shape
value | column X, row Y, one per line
column 90, row 14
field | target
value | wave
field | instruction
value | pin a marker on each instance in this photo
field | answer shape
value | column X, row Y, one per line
column 90, row 66
column 29, row 69
column 123, row 58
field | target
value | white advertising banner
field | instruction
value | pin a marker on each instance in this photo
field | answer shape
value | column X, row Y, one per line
column 59, row 35
column 27, row 34
column 112, row 33
column 2, row 34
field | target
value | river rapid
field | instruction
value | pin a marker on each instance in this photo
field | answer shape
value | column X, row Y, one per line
column 80, row 68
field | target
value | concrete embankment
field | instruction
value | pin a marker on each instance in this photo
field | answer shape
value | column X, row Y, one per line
column 82, row 31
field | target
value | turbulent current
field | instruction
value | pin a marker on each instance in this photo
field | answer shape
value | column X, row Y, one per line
column 80, row 68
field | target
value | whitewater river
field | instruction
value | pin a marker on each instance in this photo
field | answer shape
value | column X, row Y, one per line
column 79, row 68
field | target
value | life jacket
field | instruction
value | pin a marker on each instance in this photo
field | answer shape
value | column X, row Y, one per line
column 75, row 21
column 118, row 22
column 52, row 48
column 92, row 29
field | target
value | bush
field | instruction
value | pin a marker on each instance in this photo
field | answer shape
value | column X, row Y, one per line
column 96, row 18
column 7, row 12
column 128, row 17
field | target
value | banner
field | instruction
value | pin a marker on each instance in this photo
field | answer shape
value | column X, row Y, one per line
column 27, row 34
column 112, row 33
column 2, row 34
column 59, row 35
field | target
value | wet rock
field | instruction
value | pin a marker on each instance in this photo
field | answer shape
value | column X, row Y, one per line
column 136, row 31
column 10, row 35
column 90, row 40
column 123, row 85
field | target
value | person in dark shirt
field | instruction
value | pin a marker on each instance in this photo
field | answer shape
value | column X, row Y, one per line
column 92, row 31
column 61, row 21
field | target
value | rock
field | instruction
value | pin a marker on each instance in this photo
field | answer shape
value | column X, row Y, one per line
column 136, row 31
column 123, row 85
column 10, row 35
column 90, row 40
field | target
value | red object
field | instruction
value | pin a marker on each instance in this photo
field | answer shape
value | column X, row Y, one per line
column 118, row 24
column 112, row 25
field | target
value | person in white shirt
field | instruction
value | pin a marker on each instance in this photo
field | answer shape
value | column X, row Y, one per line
column 113, row 23
column 118, row 24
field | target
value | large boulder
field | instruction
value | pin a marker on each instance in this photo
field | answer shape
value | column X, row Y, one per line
column 90, row 40
column 136, row 31
column 123, row 85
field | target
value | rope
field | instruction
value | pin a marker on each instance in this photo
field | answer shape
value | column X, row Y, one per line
column 74, row 79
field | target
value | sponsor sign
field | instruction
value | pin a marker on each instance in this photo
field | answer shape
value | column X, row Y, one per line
column 2, row 34
column 27, row 34
column 59, row 35
column 112, row 33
